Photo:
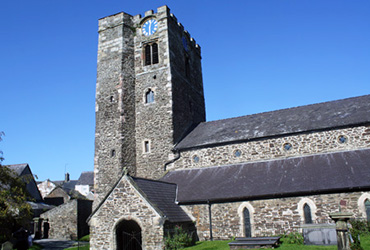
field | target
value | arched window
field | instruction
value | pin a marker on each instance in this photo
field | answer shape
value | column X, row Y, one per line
column 151, row 54
column 149, row 96
column 247, row 223
column 307, row 214
column 367, row 209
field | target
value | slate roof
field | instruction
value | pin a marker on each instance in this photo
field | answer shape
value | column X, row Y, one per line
column 320, row 116
column 86, row 178
column 24, row 170
column 69, row 185
column 163, row 196
column 324, row 173
column 18, row 168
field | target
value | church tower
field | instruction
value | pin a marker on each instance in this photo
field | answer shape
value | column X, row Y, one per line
column 149, row 94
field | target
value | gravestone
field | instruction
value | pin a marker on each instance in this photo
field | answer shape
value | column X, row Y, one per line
column 319, row 234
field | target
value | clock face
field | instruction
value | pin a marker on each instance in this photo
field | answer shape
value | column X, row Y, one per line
column 150, row 27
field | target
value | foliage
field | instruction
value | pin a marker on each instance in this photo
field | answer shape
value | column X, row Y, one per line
column 178, row 240
column 223, row 245
column 14, row 211
column 35, row 247
column 358, row 228
column 85, row 238
column 293, row 238
column 1, row 152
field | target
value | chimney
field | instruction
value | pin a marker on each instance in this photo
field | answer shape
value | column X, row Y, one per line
column 67, row 177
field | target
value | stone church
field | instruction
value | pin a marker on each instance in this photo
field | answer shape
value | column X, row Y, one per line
column 159, row 164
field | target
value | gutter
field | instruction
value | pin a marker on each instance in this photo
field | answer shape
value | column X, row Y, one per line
column 177, row 156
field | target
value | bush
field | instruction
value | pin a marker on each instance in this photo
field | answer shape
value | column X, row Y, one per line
column 358, row 227
column 178, row 240
column 293, row 238
column 85, row 238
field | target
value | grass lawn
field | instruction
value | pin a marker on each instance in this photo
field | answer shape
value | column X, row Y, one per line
column 222, row 245
column 35, row 247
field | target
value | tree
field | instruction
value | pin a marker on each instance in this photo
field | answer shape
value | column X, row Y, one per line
column 15, row 212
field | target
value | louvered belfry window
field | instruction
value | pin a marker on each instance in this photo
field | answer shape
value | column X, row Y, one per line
column 147, row 55
column 151, row 54
column 155, row 53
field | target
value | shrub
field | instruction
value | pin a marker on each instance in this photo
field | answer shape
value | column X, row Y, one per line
column 178, row 240
column 293, row 238
column 358, row 227
column 85, row 238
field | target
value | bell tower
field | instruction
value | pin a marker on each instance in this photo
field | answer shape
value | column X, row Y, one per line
column 149, row 94
column 169, row 89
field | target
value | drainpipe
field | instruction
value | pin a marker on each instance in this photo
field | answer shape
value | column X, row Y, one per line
column 210, row 219
column 177, row 156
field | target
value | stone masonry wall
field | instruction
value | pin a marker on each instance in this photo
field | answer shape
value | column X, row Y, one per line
column 273, row 216
column 104, row 222
column 187, row 80
column 63, row 221
column 153, row 120
column 115, row 106
column 178, row 100
column 273, row 148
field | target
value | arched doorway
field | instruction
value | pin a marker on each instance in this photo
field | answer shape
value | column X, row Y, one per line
column 128, row 235
column 247, row 223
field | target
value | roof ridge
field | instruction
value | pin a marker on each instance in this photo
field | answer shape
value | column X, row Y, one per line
column 147, row 179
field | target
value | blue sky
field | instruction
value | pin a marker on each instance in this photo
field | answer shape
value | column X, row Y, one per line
column 258, row 55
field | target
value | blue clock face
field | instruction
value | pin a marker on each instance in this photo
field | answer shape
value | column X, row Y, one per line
column 150, row 27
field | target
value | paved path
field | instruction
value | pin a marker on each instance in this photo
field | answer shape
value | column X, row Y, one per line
column 50, row 244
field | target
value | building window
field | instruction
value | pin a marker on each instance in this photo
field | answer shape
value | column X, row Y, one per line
column 307, row 214
column 237, row 153
column 367, row 209
column 151, row 54
column 146, row 147
column 245, row 212
column 247, row 223
column 342, row 139
column 287, row 146
column 149, row 96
